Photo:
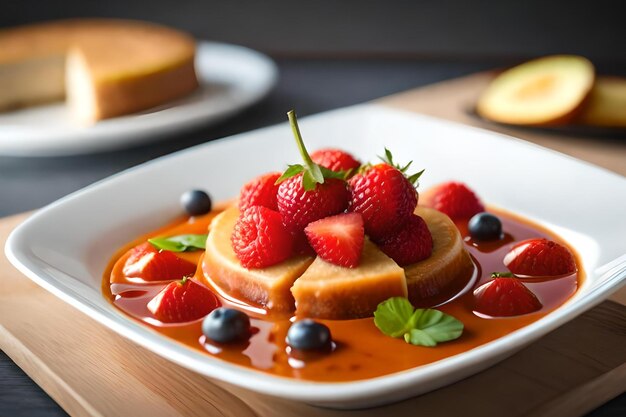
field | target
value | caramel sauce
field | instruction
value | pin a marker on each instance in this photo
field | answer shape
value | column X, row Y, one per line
column 360, row 350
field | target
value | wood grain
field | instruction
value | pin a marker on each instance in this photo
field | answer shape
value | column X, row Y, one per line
column 91, row 371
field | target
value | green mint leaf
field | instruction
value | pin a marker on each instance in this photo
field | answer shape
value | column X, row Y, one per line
column 393, row 316
column 396, row 317
column 164, row 243
column 191, row 241
column 180, row 243
column 291, row 171
column 447, row 328
column 419, row 337
column 439, row 326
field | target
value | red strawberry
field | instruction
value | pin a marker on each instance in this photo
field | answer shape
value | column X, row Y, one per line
column 385, row 198
column 540, row 257
column 338, row 239
column 454, row 199
column 299, row 207
column 261, row 191
column 150, row 264
column 182, row 301
column 260, row 239
column 505, row 296
column 412, row 243
column 309, row 192
column 335, row 159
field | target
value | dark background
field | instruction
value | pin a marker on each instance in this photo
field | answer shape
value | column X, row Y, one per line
column 330, row 54
column 460, row 29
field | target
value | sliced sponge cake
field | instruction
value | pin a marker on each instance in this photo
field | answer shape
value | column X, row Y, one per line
column 104, row 67
column 269, row 287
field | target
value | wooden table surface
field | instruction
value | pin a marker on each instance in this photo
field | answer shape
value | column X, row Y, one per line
column 308, row 86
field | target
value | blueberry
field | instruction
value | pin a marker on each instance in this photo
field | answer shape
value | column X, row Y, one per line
column 485, row 226
column 225, row 325
column 196, row 202
column 308, row 335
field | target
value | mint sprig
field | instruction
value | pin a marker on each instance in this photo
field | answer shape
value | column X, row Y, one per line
column 312, row 173
column 396, row 317
column 180, row 243
column 388, row 159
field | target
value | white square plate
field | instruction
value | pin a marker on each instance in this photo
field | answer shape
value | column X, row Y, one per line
column 65, row 247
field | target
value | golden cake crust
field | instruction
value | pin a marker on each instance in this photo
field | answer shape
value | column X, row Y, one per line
column 130, row 65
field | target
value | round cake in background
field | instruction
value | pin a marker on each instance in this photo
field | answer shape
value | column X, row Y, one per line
column 102, row 67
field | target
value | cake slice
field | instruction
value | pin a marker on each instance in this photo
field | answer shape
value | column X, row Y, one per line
column 329, row 291
column 447, row 269
column 104, row 67
column 269, row 287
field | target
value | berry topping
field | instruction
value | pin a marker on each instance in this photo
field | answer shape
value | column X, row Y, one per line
column 411, row 243
column 338, row 239
column 505, row 296
column 540, row 257
column 150, row 264
column 453, row 199
column 226, row 325
column 308, row 335
column 182, row 301
column 300, row 207
column 335, row 160
column 261, row 191
column 309, row 192
column 260, row 239
column 384, row 196
column 301, row 244
column 485, row 226
column 196, row 202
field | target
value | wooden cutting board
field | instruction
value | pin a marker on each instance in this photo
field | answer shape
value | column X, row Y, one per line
column 91, row 371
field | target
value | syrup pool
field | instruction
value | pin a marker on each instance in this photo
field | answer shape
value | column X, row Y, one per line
column 361, row 351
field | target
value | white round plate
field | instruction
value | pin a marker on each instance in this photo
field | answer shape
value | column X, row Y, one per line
column 231, row 78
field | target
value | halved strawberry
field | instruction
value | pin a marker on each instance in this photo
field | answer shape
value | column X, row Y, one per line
column 505, row 296
column 150, row 264
column 540, row 257
column 338, row 239
column 182, row 301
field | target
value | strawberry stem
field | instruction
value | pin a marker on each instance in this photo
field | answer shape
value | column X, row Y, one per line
column 312, row 173
column 502, row 275
column 311, row 167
